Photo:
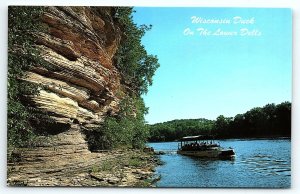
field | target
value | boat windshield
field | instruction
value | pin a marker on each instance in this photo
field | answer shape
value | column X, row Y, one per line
column 196, row 141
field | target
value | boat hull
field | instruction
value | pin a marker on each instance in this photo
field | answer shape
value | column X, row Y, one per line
column 214, row 153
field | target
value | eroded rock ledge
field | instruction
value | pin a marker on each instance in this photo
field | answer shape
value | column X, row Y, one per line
column 82, row 81
column 82, row 87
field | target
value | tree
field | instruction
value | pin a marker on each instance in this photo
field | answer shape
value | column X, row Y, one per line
column 222, row 126
column 132, row 59
column 283, row 119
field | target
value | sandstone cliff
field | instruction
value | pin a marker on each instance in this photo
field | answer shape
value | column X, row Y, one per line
column 82, row 86
column 82, row 82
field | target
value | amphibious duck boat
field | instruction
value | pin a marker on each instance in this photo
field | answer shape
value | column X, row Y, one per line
column 203, row 146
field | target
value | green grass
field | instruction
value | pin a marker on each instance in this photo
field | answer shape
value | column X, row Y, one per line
column 107, row 166
column 104, row 166
column 136, row 162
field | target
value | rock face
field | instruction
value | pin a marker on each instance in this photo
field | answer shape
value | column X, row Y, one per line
column 82, row 87
column 82, row 81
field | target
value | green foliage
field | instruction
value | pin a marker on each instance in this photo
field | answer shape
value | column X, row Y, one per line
column 23, row 22
column 132, row 59
column 269, row 121
column 127, row 129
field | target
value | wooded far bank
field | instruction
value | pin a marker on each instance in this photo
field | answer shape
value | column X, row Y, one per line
column 270, row 121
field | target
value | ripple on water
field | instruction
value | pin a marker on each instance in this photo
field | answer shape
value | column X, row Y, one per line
column 268, row 165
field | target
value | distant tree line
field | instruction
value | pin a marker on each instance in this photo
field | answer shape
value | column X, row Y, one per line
column 268, row 121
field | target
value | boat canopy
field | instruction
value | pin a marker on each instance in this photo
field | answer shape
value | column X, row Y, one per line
column 197, row 137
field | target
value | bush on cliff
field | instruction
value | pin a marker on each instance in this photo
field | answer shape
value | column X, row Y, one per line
column 126, row 130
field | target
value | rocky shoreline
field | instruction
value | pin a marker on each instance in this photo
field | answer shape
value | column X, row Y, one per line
column 118, row 168
column 132, row 168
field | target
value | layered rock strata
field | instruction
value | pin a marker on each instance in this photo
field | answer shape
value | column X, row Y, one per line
column 82, row 81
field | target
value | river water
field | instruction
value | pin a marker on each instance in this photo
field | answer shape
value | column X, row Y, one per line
column 258, row 163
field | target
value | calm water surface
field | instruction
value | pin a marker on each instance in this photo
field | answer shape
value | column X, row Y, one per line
column 258, row 163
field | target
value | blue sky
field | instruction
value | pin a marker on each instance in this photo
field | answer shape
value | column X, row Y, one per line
column 207, row 76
